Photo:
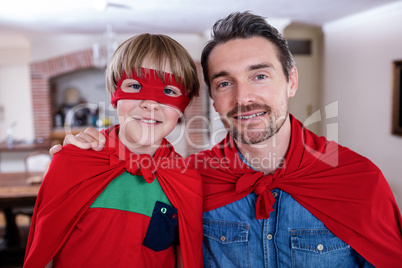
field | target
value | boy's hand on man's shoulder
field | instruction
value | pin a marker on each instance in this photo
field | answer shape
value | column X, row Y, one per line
column 89, row 139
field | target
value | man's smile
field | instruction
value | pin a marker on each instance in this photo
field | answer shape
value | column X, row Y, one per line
column 245, row 117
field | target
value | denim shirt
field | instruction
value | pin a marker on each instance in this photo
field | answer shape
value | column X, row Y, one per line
column 290, row 237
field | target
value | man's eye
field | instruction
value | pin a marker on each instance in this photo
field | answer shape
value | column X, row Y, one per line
column 261, row 76
column 224, row 84
column 172, row 91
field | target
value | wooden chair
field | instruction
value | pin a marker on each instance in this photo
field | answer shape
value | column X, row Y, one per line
column 35, row 163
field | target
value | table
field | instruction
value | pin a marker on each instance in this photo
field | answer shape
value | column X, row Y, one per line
column 21, row 146
column 15, row 193
column 25, row 146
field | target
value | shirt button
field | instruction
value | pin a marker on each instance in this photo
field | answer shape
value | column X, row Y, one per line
column 223, row 238
column 275, row 194
column 320, row 247
column 269, row 236
column 163, row 210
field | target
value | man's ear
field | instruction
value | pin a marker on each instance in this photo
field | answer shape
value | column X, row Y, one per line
column 293, row 82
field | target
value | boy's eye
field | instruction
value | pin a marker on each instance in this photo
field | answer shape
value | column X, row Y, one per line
column 136, row 86
column 131, row 86
column 172, row 91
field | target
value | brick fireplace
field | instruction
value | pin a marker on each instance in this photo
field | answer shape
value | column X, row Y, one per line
column 43, row 72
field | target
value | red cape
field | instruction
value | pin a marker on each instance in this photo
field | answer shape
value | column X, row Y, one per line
column 344, row 190
column 76, row 178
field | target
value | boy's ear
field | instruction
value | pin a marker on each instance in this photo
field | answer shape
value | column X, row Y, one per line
column 213, row 104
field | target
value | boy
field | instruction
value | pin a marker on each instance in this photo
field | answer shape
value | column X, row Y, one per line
column 129, row 204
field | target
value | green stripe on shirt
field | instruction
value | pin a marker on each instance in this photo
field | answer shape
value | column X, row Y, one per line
column 131, row 193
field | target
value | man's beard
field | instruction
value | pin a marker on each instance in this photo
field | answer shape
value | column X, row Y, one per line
column 271, row 121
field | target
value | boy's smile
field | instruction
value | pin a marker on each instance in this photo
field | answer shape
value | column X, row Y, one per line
column 144, row 123
column 148, row 121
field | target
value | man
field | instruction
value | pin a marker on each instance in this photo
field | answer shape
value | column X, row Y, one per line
column 275, row 194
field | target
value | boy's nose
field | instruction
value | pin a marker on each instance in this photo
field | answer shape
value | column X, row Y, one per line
column 149, row 104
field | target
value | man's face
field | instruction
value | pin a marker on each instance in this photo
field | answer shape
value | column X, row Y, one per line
column 249, row 88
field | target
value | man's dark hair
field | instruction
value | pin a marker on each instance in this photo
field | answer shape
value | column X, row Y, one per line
column 246, row 25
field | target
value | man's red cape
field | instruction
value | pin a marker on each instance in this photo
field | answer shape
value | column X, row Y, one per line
column 344, row 190
column 76, row 178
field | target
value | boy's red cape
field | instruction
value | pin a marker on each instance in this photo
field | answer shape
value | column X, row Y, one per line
column 76, row 178
column 344, row 190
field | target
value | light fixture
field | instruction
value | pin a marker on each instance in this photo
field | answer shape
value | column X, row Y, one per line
column 102, row 51
column 99, row 5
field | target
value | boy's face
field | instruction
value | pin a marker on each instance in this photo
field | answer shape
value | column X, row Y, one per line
column 146, row 122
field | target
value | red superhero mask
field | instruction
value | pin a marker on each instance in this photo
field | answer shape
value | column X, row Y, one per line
column 151, row 87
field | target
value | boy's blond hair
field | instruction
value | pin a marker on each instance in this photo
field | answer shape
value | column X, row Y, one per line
column 158, row 50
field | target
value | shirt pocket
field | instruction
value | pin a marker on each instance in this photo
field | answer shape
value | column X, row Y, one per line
column 162, row 228
column 317, row 248
column 225, row 243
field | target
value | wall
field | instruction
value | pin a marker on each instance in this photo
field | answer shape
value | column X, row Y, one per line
column 45, row 47
column 15, row 91
column 359, row 51
column 306, row 102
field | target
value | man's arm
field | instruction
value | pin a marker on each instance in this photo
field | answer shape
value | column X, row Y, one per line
column 50, row 264
column 179, row 260
column 89, row 139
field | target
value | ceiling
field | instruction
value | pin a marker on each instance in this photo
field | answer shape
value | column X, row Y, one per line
column 172, row 16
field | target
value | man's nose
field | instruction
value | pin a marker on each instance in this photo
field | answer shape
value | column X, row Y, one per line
column 245, row 94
